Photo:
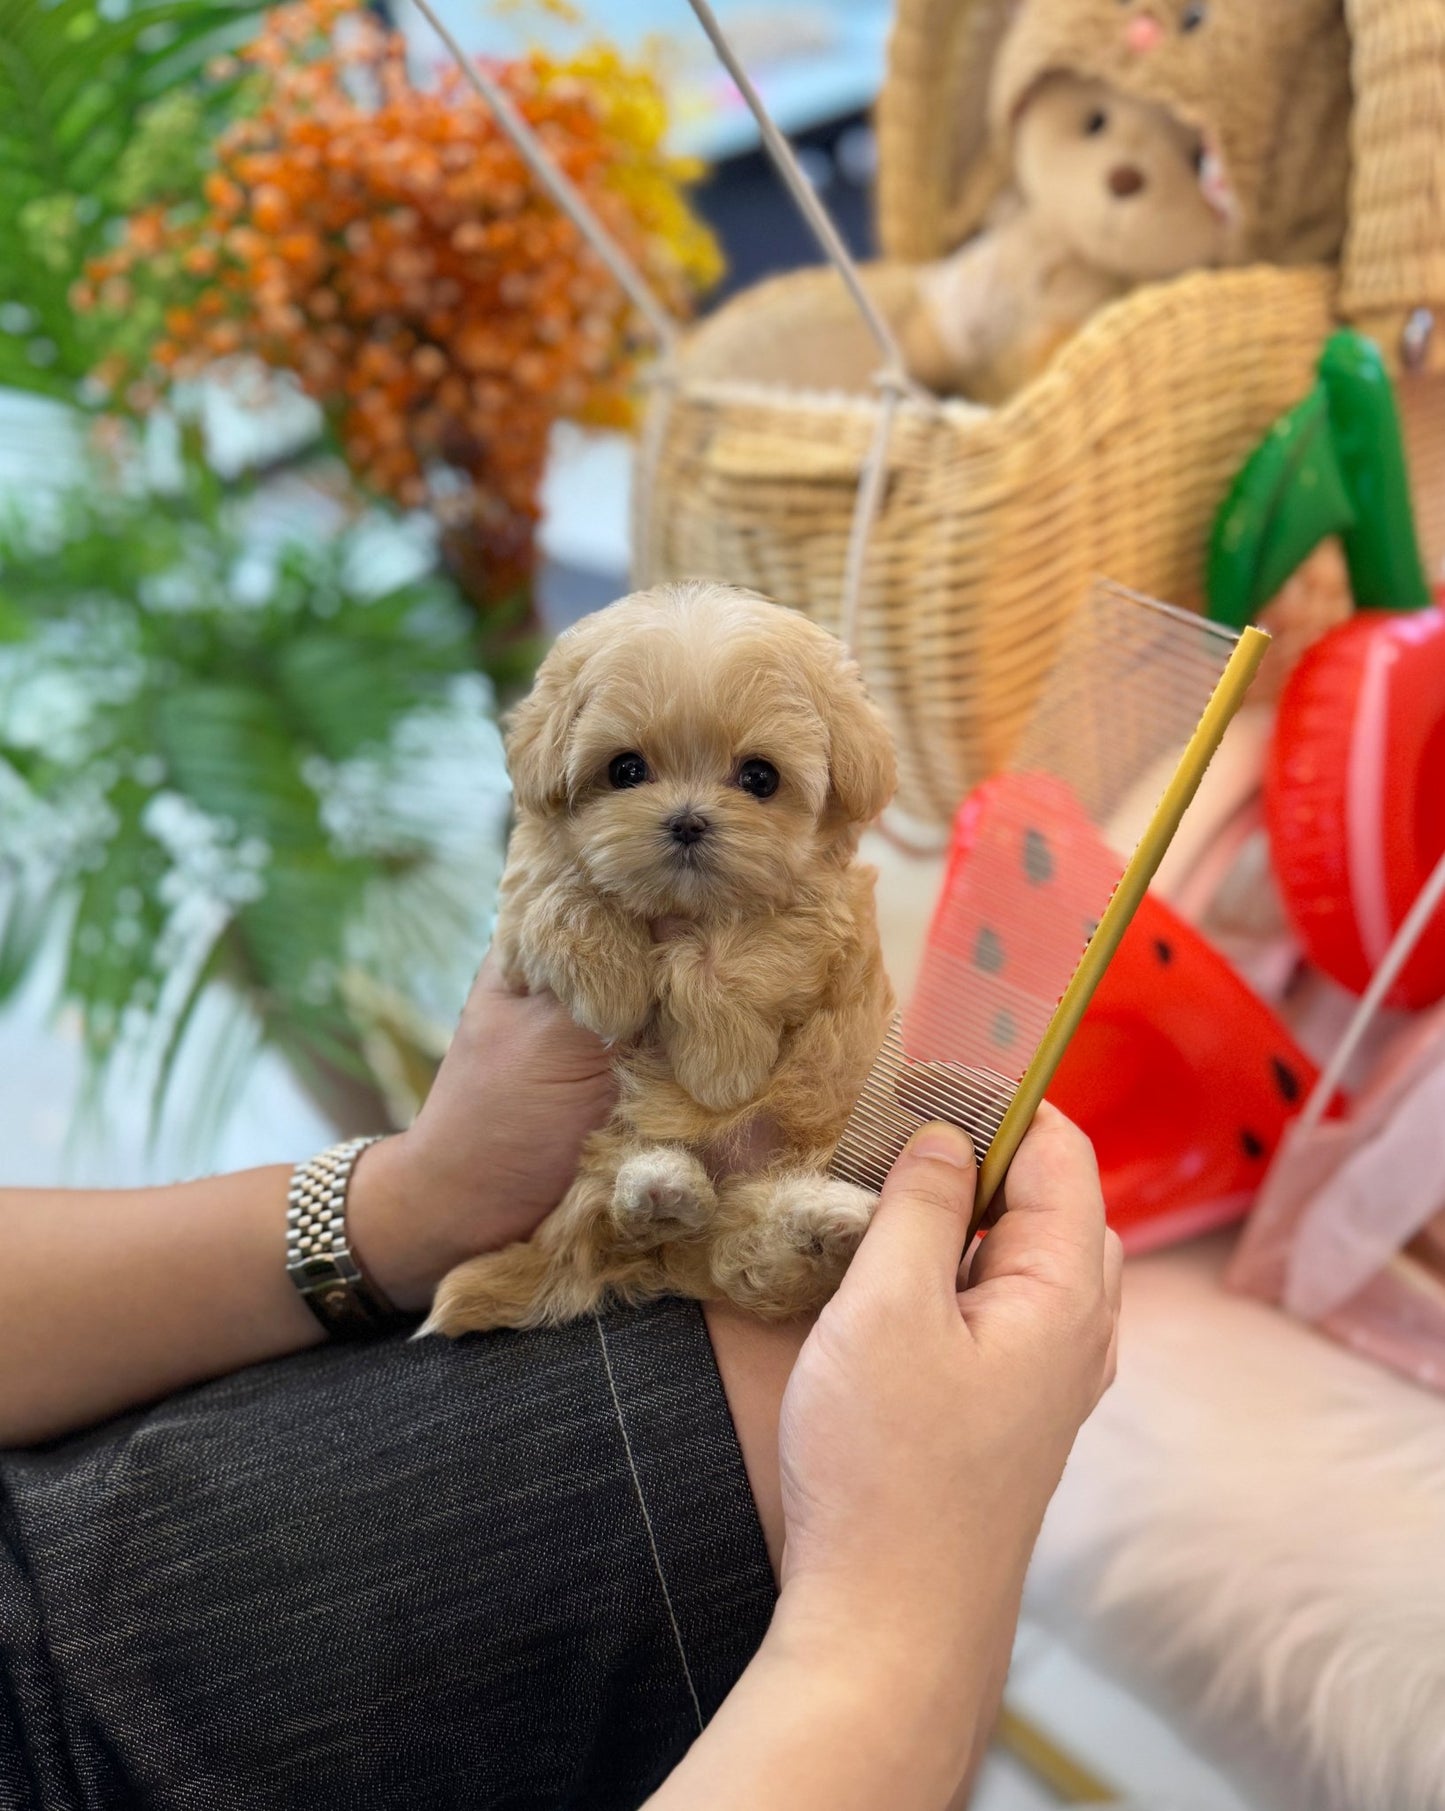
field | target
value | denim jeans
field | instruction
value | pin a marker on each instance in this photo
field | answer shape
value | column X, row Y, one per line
column 521, row 1570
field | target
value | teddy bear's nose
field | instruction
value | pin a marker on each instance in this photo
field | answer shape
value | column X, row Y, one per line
column 1143, row 32
column 1125, row 180
column 688, row 827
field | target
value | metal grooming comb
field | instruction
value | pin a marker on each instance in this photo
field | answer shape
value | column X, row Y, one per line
column 1047, row 869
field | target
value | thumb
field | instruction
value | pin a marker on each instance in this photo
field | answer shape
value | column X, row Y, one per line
column 920, row 1229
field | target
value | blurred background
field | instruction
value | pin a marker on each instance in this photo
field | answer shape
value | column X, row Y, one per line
column 246, row 461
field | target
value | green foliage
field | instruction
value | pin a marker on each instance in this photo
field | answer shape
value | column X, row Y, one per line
column 99, row 112
column 223, row 764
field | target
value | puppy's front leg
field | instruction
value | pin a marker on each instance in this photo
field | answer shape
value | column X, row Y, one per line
column 596, row 961
column 722, row 1046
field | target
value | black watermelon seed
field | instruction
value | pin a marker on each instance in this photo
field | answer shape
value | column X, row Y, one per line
column 1164, row 951
column 1038, row 857
column 1285, row 1078
column 1091, row 925
column 988, row 951
column 1252, row 1144
column 1004, row 1030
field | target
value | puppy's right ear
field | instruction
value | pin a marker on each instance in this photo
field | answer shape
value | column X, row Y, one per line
column 538, row 728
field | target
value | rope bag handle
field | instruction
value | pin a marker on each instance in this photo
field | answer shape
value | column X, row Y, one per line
column 892, row 379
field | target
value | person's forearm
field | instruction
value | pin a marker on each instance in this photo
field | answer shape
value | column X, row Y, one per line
column 113, row 1298
column 109, row 1298
column 851, row 1732
column 872, row 1694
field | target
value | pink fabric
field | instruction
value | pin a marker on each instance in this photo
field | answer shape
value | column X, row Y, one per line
column 1328, row 1236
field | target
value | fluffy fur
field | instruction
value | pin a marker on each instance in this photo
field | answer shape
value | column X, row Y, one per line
column 738, row 974
column 1251, row 1530
column 1107, row 194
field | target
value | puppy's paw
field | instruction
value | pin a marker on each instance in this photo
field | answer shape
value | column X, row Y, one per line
column 663, row 1193
column 825, row 1219
column 796, row 1237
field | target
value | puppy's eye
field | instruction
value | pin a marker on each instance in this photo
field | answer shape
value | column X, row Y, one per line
column 760, row 778
column 627, row 771
column 1096, row 123
column 1193, row 16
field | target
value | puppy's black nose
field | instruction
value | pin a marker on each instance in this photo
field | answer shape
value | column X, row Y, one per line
column 688, row 827
column 1125, row 180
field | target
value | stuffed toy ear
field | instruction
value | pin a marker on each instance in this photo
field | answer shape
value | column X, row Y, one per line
column 861, row 764
column 538, row 727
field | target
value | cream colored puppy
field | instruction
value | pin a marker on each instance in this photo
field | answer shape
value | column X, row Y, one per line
column 692, row 772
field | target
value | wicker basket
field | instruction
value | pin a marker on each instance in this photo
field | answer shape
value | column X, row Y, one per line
column 992, row 524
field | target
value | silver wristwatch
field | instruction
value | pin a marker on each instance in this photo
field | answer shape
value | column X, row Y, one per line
column 319, row 1261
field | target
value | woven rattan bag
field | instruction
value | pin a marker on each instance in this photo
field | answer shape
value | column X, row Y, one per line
column 989, row 525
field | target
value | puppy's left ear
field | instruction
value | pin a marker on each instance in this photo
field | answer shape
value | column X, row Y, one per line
column 537, row 728
column 861, row 766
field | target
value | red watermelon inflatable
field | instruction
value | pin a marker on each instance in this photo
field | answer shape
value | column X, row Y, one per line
column 1180, row 1074
column 1355, row 796
column 1183, row 1078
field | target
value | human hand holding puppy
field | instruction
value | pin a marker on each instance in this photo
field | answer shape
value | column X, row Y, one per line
column 476, row 1171
column 692, row 772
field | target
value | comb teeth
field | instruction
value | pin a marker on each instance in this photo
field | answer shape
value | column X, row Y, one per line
column 900, row 1096
column 1049, row 860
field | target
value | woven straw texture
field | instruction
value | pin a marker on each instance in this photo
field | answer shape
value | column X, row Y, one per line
column 993, row 524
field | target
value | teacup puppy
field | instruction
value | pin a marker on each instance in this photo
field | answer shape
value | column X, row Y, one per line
column 692, row 772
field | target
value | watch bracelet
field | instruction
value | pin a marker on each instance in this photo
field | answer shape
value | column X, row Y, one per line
column 319, row 1260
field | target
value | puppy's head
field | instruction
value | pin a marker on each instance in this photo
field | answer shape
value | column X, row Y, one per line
column 700, row 751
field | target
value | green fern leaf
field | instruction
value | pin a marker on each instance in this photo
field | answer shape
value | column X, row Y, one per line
column 75, row 85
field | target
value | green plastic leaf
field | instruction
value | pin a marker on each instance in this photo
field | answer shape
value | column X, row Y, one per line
column 1335, row 464
column 1288, row 498
column 1382, row 547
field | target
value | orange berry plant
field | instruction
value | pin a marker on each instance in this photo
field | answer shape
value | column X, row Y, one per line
column 386, row 244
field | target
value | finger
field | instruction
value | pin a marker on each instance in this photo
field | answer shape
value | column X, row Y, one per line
column 1054, row 1223
column 1113, row 1295
column 1113, row 1270
column 1111, row 1365
column 919, row 1230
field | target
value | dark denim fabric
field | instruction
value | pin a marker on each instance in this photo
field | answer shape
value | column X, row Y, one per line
column 516, row 1571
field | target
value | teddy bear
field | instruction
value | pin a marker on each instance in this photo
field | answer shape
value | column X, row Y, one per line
column 1235, row 112
column 1266, row 84
column 1108, row 191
